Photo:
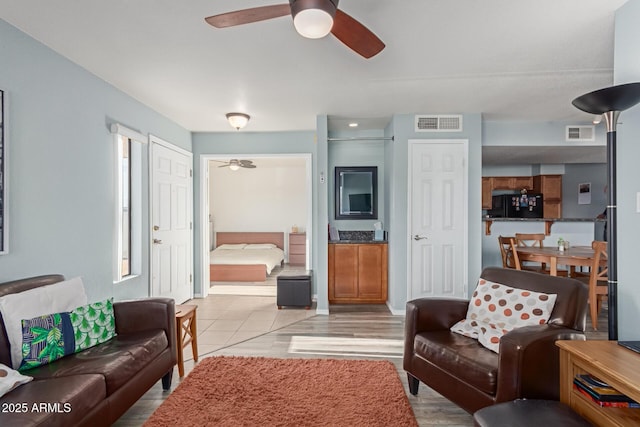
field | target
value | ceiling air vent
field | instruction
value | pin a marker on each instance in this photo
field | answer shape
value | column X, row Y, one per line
column 581, row 133
column 439, row 123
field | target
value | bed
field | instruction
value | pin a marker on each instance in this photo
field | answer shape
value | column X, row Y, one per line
column 245, row 256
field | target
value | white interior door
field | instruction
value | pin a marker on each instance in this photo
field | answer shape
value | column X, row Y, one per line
column 171, row 222
column 438, row 218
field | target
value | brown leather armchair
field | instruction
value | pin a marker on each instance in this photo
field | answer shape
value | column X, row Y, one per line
column 473, row 377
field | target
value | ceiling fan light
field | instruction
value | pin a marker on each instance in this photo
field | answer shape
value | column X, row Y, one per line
column 238, row 120
column 234, row 166
column 313, row 23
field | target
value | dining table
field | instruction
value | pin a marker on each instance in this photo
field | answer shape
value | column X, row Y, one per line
column 574, row 256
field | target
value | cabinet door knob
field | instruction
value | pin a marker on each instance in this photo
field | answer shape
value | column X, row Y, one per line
column 419, row 237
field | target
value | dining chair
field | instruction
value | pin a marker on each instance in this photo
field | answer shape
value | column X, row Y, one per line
column 508, row 252
column 597, row 280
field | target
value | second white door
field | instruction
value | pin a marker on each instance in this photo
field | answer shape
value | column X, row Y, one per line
column 438, row 218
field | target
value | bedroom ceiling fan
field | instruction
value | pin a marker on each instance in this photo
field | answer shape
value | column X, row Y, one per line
column 312, row 19
column 235, row 164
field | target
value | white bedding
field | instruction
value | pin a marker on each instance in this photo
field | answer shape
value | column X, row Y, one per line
column 269, row 257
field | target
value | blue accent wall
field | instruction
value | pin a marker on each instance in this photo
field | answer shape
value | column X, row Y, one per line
column 61, row 167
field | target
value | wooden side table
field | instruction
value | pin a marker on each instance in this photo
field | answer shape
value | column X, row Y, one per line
column 609, row 362
column 187, row 333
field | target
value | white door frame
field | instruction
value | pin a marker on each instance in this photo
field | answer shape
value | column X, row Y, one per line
column 156, row 140
column 465, row 143
column 204, row 207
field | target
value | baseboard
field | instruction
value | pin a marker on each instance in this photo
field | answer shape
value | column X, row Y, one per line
column 396, row 312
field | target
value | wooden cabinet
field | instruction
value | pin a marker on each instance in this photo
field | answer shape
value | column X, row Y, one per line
column 549, row 185
column 491, row 183
column 551, row 188
column 297, row 248
column 612, row 364
column 502, row 182
column 486, row 192
column 520, row 182
column 552, row 209
column 357, row 273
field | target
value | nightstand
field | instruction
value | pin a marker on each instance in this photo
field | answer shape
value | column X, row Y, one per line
column 297, row 248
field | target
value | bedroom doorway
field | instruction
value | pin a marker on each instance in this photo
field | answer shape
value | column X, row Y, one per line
column 255, row 193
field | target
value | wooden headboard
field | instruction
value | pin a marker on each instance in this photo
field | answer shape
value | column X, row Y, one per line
column 276, row 237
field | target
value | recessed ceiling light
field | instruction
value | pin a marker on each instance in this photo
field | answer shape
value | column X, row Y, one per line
column 353, row 125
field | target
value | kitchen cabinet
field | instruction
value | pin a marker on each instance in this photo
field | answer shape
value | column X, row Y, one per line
column 502, row 183
column 357, row 273
column 520, row 182
column 491, row 183
column 551, row 188
column 486, row 192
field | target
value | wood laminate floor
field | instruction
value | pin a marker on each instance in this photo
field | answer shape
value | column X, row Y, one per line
column 349, row 331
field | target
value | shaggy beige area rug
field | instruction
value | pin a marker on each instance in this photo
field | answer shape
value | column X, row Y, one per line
column 256, row 391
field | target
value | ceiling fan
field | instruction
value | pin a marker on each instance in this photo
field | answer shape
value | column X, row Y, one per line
column 235, row 164
column 312, row 19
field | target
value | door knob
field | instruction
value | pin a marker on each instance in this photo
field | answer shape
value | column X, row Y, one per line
column 419, row 237
column 157, row 241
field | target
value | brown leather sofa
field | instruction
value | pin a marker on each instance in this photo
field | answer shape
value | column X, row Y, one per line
column 473, row 377
column 96, row 386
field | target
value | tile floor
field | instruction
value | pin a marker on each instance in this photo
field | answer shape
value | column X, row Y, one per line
column 226, row 320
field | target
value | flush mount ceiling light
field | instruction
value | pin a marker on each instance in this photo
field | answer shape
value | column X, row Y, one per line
column 238, row 120
column 313, row 19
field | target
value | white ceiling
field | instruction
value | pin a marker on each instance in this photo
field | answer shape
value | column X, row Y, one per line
column 506, row 59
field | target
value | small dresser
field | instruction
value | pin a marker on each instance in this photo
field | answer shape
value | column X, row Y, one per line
column 297, row 248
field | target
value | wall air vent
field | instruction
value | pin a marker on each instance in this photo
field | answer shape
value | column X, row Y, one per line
column 581, row 133
column 438, row 123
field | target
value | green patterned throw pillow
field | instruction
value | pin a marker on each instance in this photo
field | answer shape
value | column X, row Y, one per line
column 93, row 324
column 48, row 338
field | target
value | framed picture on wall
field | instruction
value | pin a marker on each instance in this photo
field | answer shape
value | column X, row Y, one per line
column 584, row 193
column 3, row 173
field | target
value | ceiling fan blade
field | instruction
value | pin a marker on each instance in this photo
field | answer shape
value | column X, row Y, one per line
column 245, row 162
column 248, row 166
column 247, row 16
column 224, row 166
column 356, row 36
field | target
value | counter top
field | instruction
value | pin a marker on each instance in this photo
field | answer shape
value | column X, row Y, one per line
column 366, row 242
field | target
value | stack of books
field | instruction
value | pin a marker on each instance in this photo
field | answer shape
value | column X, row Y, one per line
column 601, row 393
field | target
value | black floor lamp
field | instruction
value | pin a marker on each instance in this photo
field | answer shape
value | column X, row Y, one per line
column 610, row 102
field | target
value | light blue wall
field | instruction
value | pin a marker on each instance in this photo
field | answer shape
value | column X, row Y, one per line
column 627, row 70
column 576, row 174
column 534, row 133
column 61, row 167
column 402, row 128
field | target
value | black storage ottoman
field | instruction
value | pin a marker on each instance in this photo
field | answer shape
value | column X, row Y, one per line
column 528, row 412
column 294, row 289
